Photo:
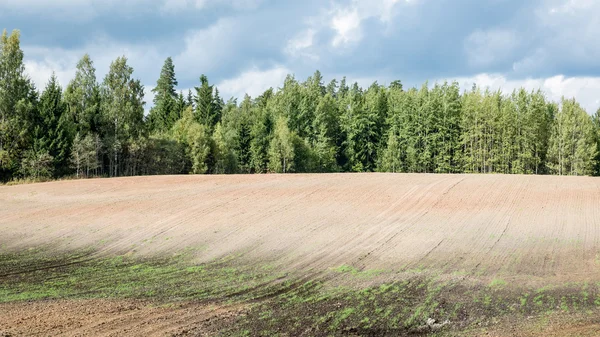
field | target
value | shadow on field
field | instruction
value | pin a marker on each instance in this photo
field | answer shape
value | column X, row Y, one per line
column 234, row 297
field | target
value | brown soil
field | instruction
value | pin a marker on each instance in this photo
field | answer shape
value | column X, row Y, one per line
column 524, row 230
column 113, row 318
column 139, row 318
column 553, row 325
column 518, row 228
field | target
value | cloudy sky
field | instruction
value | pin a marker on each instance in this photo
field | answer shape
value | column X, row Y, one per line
column 250, row 45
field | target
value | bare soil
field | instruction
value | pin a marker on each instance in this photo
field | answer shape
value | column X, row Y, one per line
column 522, row 228
column 528, row 231
column 113, row 318
column 143, row 318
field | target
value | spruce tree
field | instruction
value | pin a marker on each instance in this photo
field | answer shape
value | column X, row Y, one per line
column 218, row 105
column 165, row 99
column 189, row 101
column 205, row 103
column 259, row 145
column 326, row 126
column 52, row 132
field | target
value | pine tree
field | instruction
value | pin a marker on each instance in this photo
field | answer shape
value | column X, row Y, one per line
column 259, row 145
column 244, row 136
column 396, row 85
column 205, row 103
column 165, row 99
column 310, row 94
column 362, row 129
column 52, row 131
column 332, row 88
column 326, row 126
column 218, row 105
column 190, row 100
column 180, row 106
column 300, row 127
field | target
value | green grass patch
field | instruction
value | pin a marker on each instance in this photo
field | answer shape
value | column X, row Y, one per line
column 33, row 276
column 282, row 303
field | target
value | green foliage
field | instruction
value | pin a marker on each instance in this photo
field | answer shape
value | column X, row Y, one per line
column 164, row 155
column 52, row 130
column 167, row 105
column 123, row 107
column 37, row 165
column 206, row 110
column 305, row 126
column 82, row 97
column 18, row 101
column 391, row 159
column 196, row 139
column 573, row 145
column 281, row 149
column 224, row 150
column 362, row 125
column 259, row 145
column 85, row 155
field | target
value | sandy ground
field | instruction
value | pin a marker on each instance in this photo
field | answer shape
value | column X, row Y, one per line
column 525, row 228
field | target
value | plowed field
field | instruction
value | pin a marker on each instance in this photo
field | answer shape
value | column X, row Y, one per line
column 526, row 231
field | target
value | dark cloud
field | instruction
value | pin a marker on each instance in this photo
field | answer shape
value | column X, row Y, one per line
column 409, row 40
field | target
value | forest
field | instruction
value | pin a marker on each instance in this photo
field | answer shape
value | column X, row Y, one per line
column 98, row 128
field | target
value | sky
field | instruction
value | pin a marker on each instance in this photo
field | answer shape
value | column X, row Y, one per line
column 247, row 46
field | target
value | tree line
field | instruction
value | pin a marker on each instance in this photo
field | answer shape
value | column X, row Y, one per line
column 99, row 128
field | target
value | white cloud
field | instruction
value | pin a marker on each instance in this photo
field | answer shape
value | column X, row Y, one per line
column 300, row 46
column 584, row 89
column 40, row 73
column 485, row 48
column 567, row 31
column 347, row 21
column 205, row 49
column 571, row 6
column 347, row 27
column 40, row 62
column 253, row 82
